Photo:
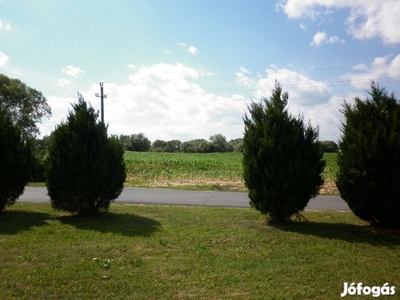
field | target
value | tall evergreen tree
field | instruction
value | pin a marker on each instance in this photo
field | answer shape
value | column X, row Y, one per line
column 15, row 158
column 86, row 170
column 282, row 159
column 369, row 157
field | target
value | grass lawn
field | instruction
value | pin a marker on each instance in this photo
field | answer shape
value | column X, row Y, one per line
column 154, row 252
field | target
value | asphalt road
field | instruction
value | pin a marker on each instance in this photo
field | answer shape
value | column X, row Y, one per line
column 184, row 197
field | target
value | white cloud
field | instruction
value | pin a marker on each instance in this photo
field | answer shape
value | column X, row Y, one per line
column 72, row 71
column 381, row 69
column 3, row 59
column 244, row 70
column 303, row 90
column 302, row 26
column 5, row 26
column 360, row 67
column 307, row 97
column 322, row 38
column 191, row 49
column 63, row 82
column 319, row 39
column 163, row 101
column 243, row 80
column 166, row 101
column 59, row 108
column 366, row 19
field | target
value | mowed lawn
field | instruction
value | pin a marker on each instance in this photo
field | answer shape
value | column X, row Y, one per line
column 154, row 252
column 215, row 171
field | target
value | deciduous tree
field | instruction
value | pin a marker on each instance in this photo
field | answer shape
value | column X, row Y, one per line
column 329, row 147
column 25, row 105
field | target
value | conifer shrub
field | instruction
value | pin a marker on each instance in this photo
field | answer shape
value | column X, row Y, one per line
column 85, row 168
column 369, row 159
column 282, row 159
column 15, row 159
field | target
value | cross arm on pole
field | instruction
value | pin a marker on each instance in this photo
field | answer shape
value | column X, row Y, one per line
column 102, row 96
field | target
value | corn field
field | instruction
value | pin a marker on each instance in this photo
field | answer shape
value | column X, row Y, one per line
column 218, row 171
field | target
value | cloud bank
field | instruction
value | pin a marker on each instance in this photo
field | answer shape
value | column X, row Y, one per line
column 366, row 19
column 311, row 98
column 164, row 102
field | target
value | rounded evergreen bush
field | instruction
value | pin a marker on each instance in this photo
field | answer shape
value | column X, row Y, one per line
column 282, row 159
column 369, row 159
column 85, row 168
column 14, row 161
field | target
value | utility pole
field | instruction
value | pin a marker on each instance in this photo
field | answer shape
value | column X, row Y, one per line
column 102, row 96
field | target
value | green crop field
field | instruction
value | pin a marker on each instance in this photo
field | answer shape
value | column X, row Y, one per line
column 189, row 170
column 218, row 171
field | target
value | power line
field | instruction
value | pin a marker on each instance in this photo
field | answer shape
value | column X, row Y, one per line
column 249, row 75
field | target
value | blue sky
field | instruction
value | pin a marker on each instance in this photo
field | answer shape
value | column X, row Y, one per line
column 188, row 69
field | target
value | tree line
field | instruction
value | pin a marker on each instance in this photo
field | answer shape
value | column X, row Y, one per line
column 282, row 157
column 140, row 143
column 216, row 143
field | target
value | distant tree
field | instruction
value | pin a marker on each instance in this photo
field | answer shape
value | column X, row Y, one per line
column 282, row 160
column 369, row 157
column 236, row 144
column 40, row 152
column 140, row 143
column 42, row 145
column 329, row 147
column 205, row 147
column 220, row 144
column 173, row 146
column 159, row 144
column 198, row 146
column 86, row 169
column 125, row 141
column 188, row 147
column 25, row 105
column 15, row 156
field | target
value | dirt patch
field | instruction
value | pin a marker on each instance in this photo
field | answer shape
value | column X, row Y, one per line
column 329, row 188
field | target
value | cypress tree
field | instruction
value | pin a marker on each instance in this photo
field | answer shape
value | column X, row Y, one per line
column 369, row 157
column 86, row 170
column 282, row 159
column 15, row 158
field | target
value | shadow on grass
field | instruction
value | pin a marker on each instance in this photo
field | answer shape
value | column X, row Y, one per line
column 352, row 233
column 116, row 223
column 14, row 221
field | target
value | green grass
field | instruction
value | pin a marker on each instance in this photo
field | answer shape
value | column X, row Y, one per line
column 152, row 252
column 209, row 171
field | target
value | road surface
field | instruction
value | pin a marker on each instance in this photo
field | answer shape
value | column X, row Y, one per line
column 185, row 197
